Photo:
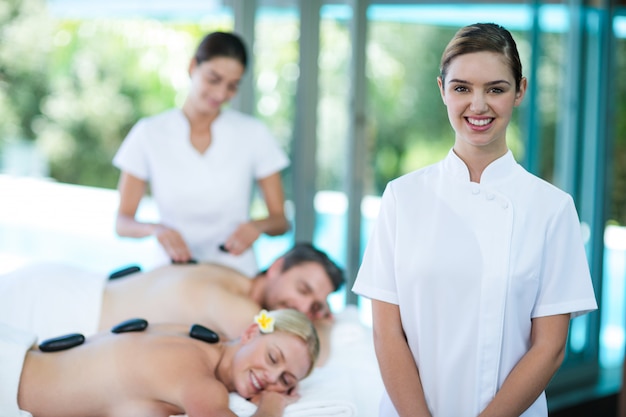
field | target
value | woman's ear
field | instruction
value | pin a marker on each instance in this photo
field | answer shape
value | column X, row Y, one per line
column 250, row 333
column 441, row 89
column 519, row 95
column 193, row 63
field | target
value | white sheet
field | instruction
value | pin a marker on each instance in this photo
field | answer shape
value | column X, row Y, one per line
column 52, row 299
column 305, row 407
column 353, row 357
column 13, row 346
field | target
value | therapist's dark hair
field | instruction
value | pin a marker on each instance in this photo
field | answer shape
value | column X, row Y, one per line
column 222, row 44
column 483, row 37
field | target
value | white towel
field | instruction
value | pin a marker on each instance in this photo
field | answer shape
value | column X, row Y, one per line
column 51, row 299
column 304, row 407
column 13, row 346
column 322, row 394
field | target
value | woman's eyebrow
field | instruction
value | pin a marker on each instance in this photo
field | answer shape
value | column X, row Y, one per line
column 498, row 82
column 457, row 80
column 214, row 73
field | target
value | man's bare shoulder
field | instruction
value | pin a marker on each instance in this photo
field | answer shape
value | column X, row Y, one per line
column 215, row 296
column 220, row 278
column 216, row 276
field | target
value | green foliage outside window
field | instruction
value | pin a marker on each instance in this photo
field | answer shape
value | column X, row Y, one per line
column 75, row 87
column 24, row 57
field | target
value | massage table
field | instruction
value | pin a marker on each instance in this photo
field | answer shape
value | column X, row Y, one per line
column 348, row 384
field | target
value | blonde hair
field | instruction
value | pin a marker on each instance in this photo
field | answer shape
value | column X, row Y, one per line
column 298, row 324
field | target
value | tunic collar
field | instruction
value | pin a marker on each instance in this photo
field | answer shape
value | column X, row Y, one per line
column 495, row 172
column 183, row 119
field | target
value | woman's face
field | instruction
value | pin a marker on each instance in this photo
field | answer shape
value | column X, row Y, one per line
column 270, row 362
column 214, row 83
column 480, row 95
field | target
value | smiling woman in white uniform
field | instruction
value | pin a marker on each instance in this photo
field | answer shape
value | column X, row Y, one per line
column 201, row 162
column 475, row 266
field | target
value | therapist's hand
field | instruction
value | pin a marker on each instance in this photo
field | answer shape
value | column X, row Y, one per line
column 173, row 243
column 242, row 238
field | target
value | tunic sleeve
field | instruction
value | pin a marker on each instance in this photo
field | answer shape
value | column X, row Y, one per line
column 132, row 157
column 566, row 285
column 376, row 276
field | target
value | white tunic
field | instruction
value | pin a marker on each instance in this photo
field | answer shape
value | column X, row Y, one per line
column 470, row 265
column 203, row 196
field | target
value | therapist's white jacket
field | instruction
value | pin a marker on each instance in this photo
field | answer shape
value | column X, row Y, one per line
column 205, row 196
column 470, row 264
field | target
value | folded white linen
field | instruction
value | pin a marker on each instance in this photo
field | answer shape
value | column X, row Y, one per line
column 320, row 396
column 52, row 299
column 13, row 346
column 302, row 408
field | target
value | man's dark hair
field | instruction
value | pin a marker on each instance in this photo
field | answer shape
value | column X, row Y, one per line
column 306, row 252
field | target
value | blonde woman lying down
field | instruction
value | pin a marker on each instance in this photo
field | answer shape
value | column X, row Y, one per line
column 167, row 370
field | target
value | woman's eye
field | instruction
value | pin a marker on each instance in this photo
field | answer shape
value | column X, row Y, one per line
column 460, row 89
column 272, row 359
column 285, row 380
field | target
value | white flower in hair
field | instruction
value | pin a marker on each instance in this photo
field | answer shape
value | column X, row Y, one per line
column 265, row 321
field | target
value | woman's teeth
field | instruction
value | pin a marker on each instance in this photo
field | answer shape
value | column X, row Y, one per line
column 479, row 122
column 256, row 383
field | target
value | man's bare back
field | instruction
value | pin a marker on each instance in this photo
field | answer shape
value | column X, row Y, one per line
column 51, row 301
column 215, row 296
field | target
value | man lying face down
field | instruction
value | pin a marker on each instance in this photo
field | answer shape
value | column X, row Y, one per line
column 164, row 370
column 215, row 296
column 221, row 298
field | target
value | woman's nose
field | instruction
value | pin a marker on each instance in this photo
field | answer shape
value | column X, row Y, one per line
column 478, row 104
column 273, row 375
column 221, row 92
